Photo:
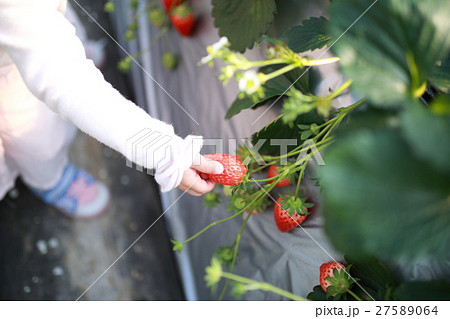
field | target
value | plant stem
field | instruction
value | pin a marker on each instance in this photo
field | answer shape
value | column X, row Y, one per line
column 263, row 286
column 321, row 61
column 237, row 241
column 211, row 225
column 279, row 72
column 342, row 88
column 220, row 221
column 267, row 62
column 263, row 180
column 238, row 237
column 354, row 295
column 300, row 176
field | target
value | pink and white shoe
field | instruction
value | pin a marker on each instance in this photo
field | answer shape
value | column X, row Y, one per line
column 77, row 194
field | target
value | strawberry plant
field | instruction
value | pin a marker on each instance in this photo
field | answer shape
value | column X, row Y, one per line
column 381, row 163
column 386, row 171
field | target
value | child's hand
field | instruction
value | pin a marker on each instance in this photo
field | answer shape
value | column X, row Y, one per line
column 195, row 182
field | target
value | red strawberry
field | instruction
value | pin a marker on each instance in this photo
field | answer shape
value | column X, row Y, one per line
column 183, row 19
column 273, row 172
column 233, row 169
column 169, row 5
column 289, row 218
column 326, row 270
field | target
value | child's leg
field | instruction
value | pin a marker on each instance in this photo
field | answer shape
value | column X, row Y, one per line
column 35, row 139
column 36, row 143
column 8, row 173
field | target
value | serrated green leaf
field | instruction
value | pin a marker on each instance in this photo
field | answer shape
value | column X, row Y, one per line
column 379, row 198
column 312, row 34
column 243, row 22
column 318, row 294
column 373, row 277
column 391, row 50
column 428, row 135
column 278, row 130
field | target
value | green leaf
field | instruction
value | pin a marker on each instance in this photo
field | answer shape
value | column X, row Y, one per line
column 373, row 277
column 428, row 135
column 389, row 54
column 318, row 294
column 441, row 76
column 278, row 130
column 423, row 290
column 243, row 22
column 379, row 198
column 272, row 89
column 300, row 78
column 311, row 35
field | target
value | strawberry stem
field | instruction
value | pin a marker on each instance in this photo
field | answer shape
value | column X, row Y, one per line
column 261, row 192
column 354, row 295
column 300, row 176
column 253, row 285
column 279, row 72
column 224, row 219
column 235, row 251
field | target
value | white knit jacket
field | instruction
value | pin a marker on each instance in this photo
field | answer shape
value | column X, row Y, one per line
column 36, row 37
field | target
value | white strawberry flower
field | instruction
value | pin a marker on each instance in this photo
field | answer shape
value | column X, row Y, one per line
column 206, row 59
column 214, row 49
column 249, row 83
column 219, row 45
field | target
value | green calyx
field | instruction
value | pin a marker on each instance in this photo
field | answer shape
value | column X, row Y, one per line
column 340, row 283
column 177, row 246
column 294, row 204
column 224, row 255
column 183, row 10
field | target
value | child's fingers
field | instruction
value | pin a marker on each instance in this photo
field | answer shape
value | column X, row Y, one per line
column 194, row 185
column 202, row 164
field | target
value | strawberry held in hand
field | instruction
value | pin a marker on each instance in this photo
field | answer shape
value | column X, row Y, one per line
column 289, row 212
column 233, row 169
column 183, row 19
column 273, row 172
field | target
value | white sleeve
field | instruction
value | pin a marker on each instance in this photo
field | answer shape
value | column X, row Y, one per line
column 52, row 63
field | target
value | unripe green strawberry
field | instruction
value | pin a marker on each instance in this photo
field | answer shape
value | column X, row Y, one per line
column 129, row 35
column 157, row 17
column 169, row 60
column 125, row 64
column 109, row 7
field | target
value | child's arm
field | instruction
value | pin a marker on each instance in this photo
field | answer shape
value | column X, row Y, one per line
column 52, row 63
